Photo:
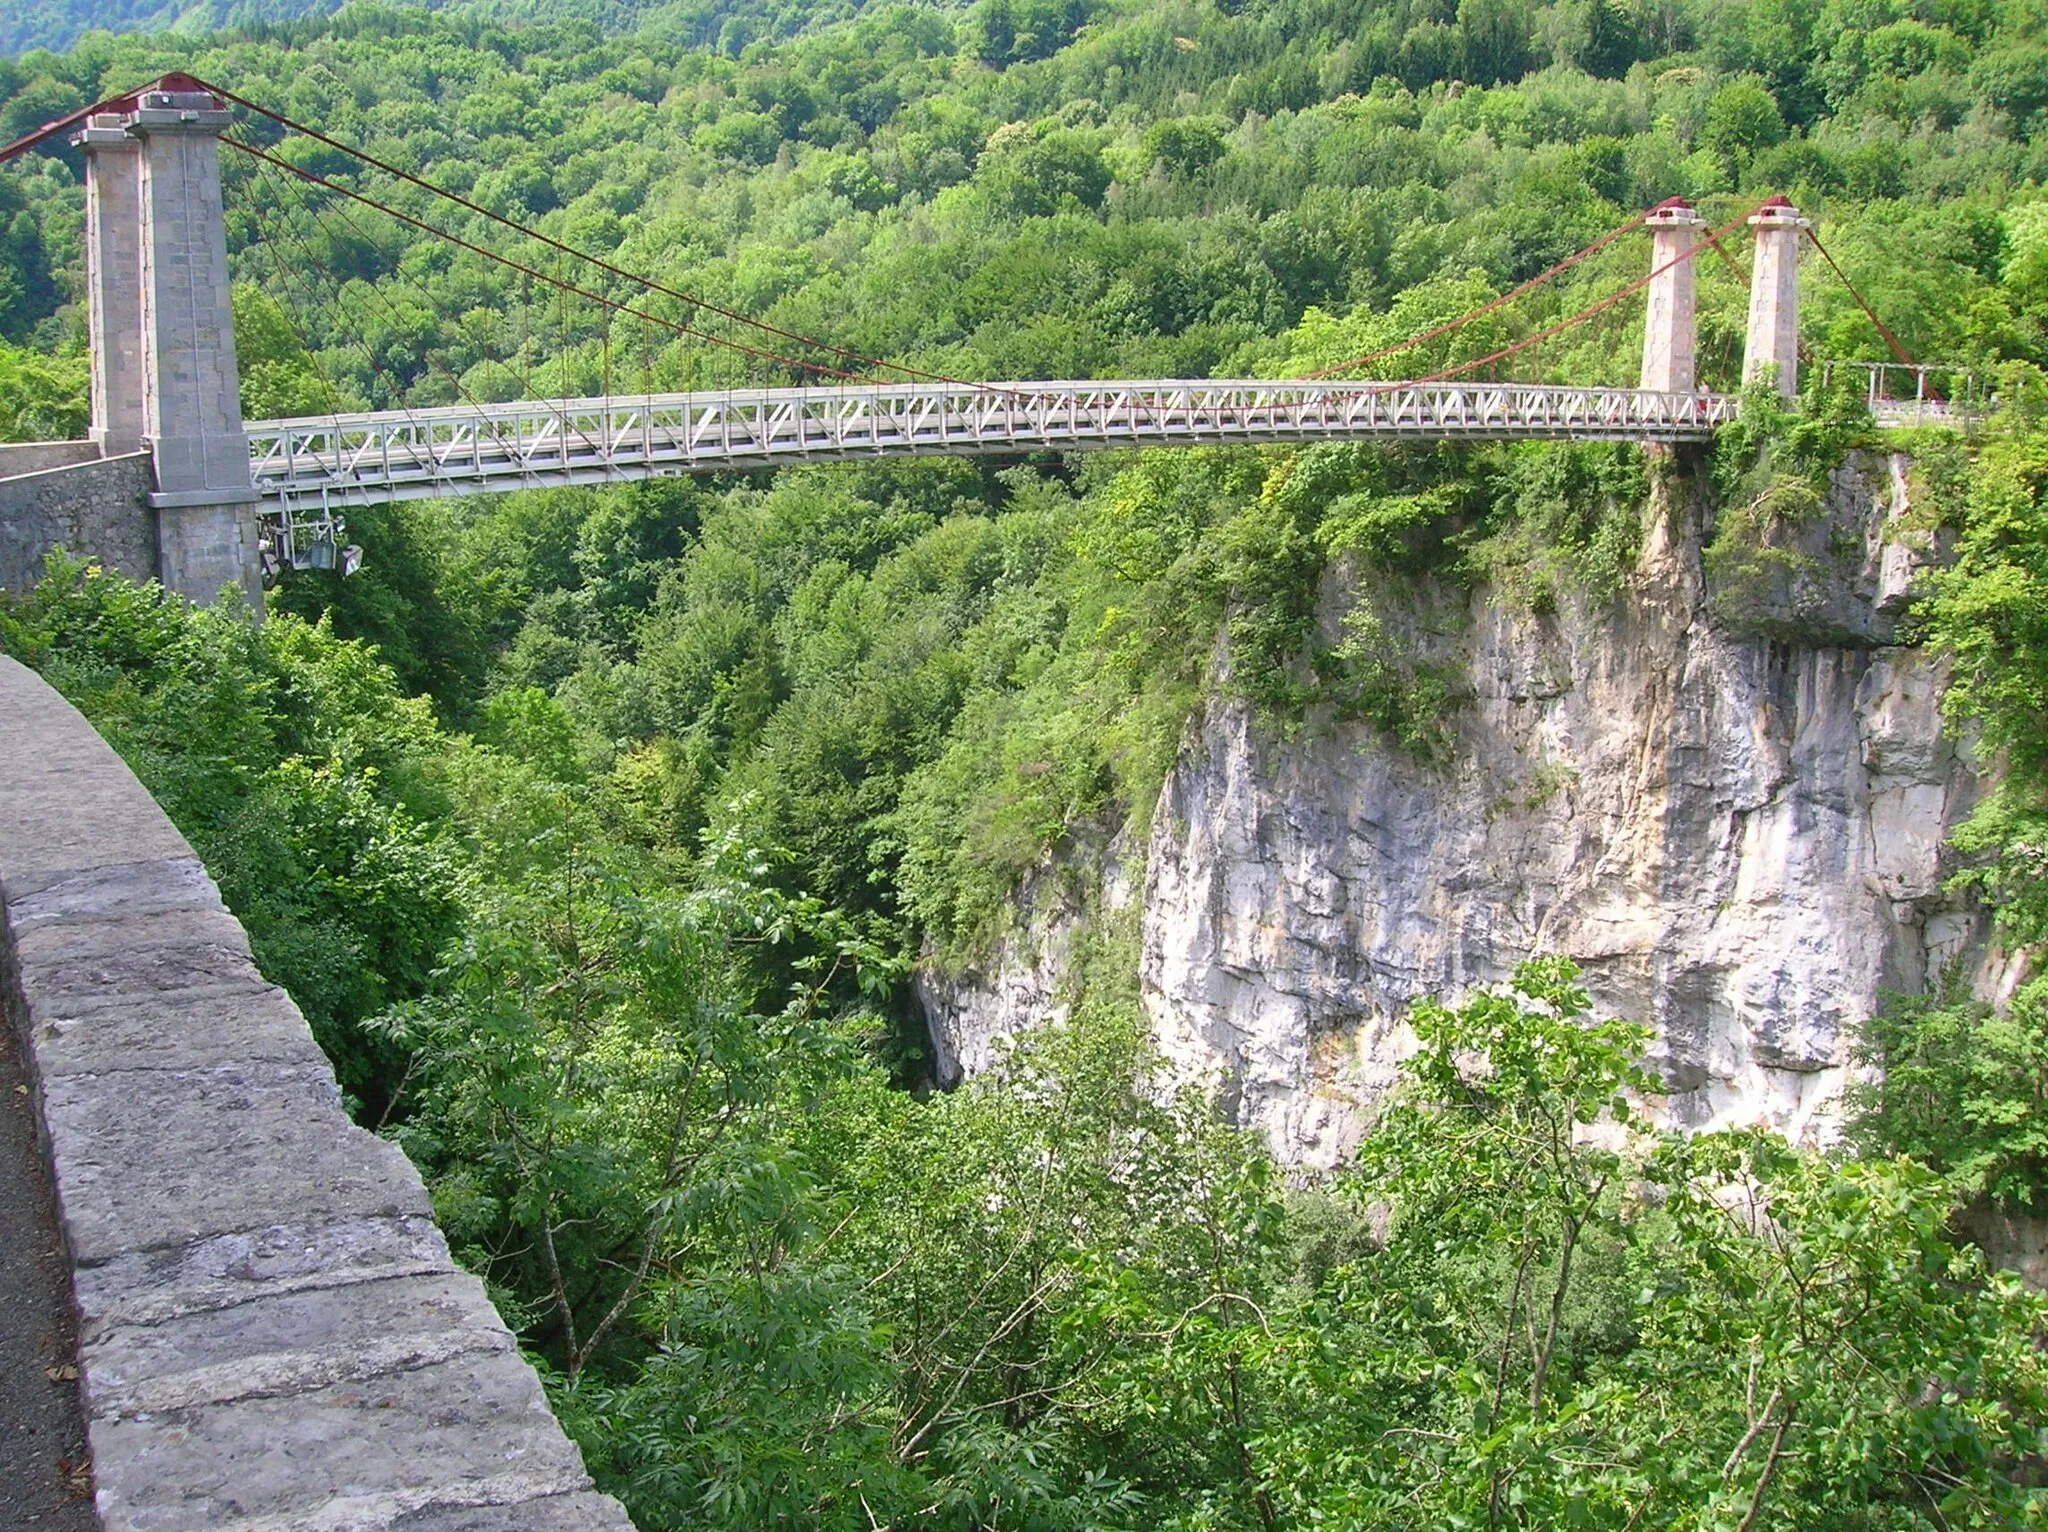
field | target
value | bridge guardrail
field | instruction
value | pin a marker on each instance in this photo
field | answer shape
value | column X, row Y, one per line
column 1916, row 393
column 271, row 1330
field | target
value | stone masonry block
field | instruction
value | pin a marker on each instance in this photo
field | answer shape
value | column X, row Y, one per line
column 72, row 801
column 155, row 1158
column 97, row 510
column 147, row 1287
column 129, row 888
column 353, row 1455
column 74, row 985
column 201, row 1030
column 70, row 941
column 557, row 1513
column 292, row 1342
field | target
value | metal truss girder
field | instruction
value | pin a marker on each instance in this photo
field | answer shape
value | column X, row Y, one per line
column 355, row 460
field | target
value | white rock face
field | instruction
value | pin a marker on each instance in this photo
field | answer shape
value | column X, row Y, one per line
column 1737, row 838
column 972, row 1015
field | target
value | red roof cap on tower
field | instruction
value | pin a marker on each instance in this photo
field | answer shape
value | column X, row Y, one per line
column 174, row 84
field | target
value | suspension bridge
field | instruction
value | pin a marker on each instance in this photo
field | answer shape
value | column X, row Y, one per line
column 349, row 460
column 230, row 500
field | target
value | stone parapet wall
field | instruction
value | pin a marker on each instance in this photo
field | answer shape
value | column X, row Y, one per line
column 35, row 457
column 98, row 510
column 272, row 1335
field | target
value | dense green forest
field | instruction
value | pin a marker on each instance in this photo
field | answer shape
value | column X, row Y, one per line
column 728, row 24
column 597, row 831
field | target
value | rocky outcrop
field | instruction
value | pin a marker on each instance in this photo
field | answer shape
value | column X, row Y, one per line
column 1730, row 812
column 1024, row 982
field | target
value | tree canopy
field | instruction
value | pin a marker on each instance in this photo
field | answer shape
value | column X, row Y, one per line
column 599, row 832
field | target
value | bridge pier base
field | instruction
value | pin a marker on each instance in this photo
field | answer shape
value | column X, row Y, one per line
column 164, row 366
column 1772, row 345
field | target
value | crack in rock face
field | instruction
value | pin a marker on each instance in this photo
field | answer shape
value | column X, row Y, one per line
column 1736, row 828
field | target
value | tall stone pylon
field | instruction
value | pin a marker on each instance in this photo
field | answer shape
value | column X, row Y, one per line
column 1772, row 345
column 113, row 266
column 1671, row 328
column 160, row 236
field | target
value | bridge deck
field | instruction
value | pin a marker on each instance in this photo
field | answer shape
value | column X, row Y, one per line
column 344, row 460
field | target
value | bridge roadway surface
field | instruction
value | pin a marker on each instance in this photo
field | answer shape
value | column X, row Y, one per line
column 338, row 461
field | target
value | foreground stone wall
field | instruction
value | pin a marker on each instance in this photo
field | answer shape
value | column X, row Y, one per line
column 272, row 1335
column 96, row 510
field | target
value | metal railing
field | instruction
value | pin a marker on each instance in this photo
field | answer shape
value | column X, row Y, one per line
column 1916, row 393
column 339, row 461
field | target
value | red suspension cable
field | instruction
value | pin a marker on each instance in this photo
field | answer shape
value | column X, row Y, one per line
column 565, row 287
column 1565, row 324
column 571, row 251
column 1505, row 298
column 180, row 81
column 1883, row 329
column 57, row 125
column 333, row 390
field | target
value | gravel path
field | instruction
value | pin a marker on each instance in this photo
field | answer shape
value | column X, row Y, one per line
column 42, row 1429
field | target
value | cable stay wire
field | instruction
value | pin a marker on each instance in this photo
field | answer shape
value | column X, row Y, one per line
column 650, row 283
column 327, row 382
column 732, row 315
column 1562, row 325
column 391, row 314
column 1486, row 308
column 316, row 264
column 567, row 287
column 398, row 390
column 1891, row 340
column 178, row 81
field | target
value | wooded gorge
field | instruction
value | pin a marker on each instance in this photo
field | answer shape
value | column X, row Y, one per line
column 598, row 833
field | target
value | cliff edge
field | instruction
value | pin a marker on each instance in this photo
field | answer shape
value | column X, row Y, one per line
column 1727, row 799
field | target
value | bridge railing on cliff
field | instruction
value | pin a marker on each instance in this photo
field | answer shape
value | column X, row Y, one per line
column 345, row 460
column 1916, row 393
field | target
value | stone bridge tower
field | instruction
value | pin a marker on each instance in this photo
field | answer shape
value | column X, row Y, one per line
column 164, row 374
column 1671, row 327
column 1772, row 349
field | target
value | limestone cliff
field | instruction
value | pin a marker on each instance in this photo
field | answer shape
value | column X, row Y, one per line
column 1733, row 820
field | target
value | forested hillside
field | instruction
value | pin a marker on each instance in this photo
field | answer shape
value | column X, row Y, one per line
column 29, row 24
column 597, row 832
column 728, row 24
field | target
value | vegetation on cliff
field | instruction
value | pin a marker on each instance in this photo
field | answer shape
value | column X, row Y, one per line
column 596, row 831
column 772, row 1288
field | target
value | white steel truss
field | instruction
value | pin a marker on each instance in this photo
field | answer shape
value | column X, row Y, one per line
column 339, row 461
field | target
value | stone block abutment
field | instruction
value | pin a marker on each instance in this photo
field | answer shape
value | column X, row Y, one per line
column 271, row 1332
column 91, row 507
